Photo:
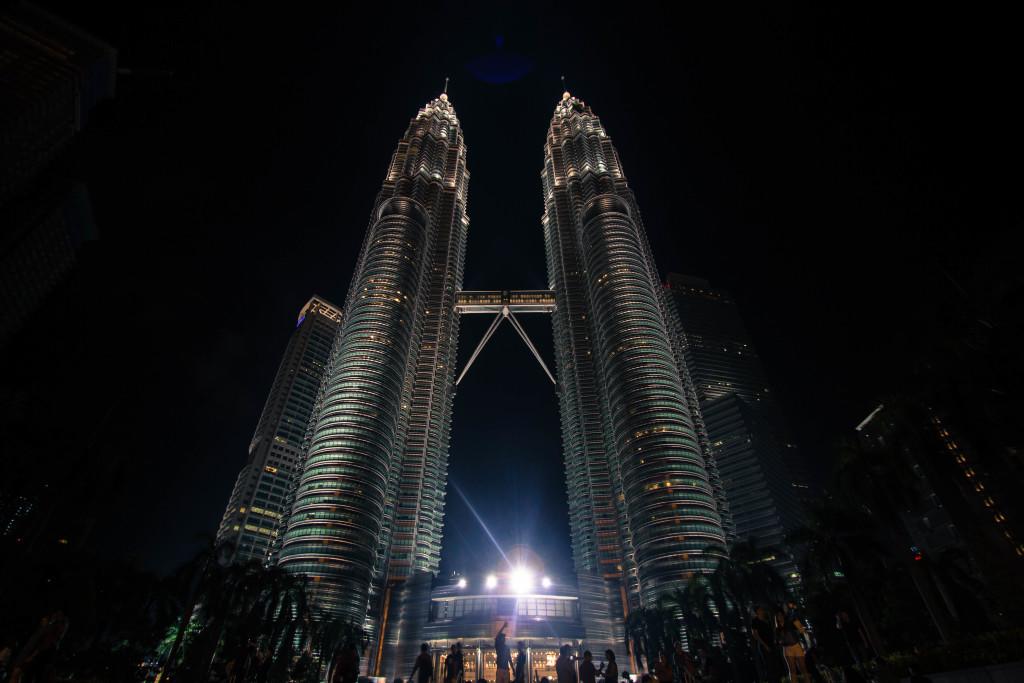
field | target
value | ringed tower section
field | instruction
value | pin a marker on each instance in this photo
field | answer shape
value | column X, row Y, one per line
column 369, row 503
column 641, row 488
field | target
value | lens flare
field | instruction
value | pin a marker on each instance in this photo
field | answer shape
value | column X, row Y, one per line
column 455, row 487
column 521, row 580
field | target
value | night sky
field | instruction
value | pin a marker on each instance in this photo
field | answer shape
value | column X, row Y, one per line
column 833, row 168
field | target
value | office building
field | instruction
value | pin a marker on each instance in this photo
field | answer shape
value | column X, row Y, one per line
column 759, row 466
column 53, row 76
column 257, row 502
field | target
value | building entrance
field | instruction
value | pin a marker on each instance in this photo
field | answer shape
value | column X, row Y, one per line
column 543, row 664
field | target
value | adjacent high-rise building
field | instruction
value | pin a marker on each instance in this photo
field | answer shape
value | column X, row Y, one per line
column 54, row 75
column 258, row 500
column 759, row 467
column 644, row 504
column 369, row 505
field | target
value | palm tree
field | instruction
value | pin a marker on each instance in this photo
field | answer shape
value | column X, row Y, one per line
column 193, row 577
column 651, row 631
column 695, row 606
column 838, row 541
column 746, row 579
column 740, row 582
column 880, row 480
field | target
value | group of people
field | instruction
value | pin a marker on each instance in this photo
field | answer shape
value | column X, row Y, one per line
column 783, row 649
column 514, row 670
column 565, row 668
column 781, row 642
column 454, row 666
column 706, row 666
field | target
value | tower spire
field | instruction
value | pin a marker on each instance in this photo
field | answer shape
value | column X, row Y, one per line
column 445, row 85
column 565, row 91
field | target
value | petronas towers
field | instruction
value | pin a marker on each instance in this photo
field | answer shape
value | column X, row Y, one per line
column 365, row 508
column 643, row 499
column 369, row 503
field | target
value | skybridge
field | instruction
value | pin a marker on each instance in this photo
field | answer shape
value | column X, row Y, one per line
column 505, row 304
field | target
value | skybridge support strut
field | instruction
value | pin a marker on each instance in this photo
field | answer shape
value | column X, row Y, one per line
column 529, row 344
column 480, row 347
column 506, row 304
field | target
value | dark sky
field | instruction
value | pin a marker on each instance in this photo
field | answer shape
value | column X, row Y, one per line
column 825, row 165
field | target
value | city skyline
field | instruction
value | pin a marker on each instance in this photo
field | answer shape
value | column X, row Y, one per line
column 364, row 461
column 761, row 190
column 835, row 185
column 354, row 500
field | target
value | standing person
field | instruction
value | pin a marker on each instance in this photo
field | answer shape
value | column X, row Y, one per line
column 460, row 664
column 662, row 669
column 790, row 631
column 765, row 653
column 346, row 668
column 449, row 666
column 6, row 653
column 588, row 674
column 853, row 634
column 425, row 665
column 503, row 654
column 684, row 664
column 611, row 674
column 564, row 669
column 520, row 670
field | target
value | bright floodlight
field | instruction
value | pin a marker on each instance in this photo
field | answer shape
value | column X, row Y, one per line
column 521, row 580
column 461, row 582
column 546, row 582
column 492, row 581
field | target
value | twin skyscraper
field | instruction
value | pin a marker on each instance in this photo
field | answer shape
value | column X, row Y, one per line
column 357, row 503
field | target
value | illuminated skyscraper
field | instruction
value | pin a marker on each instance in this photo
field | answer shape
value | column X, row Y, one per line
column 760, row 469
column 369, row 505
column 254, row 511
column 644, row 504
